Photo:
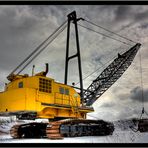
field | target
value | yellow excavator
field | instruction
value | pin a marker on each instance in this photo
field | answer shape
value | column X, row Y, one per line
column 38, row 96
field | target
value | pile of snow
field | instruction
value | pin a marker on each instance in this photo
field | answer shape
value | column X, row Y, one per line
column 124, row 132
column 6, row 123
column 124, row 124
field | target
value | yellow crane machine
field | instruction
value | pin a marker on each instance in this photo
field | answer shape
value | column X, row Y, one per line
column 38, row 96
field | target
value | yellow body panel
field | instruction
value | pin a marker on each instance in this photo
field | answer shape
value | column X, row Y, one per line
column 42, row 95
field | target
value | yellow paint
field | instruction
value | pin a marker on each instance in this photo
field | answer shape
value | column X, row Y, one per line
column 42, row 95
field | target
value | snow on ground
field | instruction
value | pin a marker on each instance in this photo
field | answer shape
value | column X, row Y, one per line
column 6, row 123
column 117, row 137
column 122, row 134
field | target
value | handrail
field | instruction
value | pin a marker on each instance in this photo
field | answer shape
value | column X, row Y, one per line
column 73, row 103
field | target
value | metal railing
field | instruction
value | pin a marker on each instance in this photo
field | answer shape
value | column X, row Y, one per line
column 62, row 99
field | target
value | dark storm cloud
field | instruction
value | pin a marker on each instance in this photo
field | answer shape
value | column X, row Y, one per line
column 136, row 94
column 127, row 16
column 145, row 25
column 127, row 113
column 52, row 13
column 122, row 13
column 141, row 16
column 26, row 24
column 22, row 29
column 15, row 27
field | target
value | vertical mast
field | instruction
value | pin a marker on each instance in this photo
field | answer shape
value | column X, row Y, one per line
column 72, row 17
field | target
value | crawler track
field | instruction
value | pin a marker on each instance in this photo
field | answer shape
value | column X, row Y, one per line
column 63, row 128
column 53, row 130
column 29, row 130
column 78, row 128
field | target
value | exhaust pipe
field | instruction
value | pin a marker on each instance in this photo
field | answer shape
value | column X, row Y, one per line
column 46, row 71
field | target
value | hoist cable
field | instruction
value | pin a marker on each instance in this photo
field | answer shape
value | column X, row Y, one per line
column 141, row 78
column 37, row 49
column 104, row 35
column 42, row 49
column 146, row 113
column 109, row 30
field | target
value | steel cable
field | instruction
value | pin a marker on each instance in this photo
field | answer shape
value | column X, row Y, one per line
column 109, row 30
column 104, row 35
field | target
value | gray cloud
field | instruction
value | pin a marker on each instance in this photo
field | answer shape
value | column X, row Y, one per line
column 136, row 94
column 141, row 16
column 144, row 25
column 127, row 113
column 123, row 12
column 108, row 104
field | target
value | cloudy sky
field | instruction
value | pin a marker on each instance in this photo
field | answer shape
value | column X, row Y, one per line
column 23, row 28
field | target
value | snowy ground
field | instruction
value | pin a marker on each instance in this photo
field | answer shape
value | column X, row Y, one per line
column 122, row 134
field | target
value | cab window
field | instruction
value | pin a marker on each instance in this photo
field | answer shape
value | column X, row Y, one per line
column 66, row 91
column 63, row 90
column 20, row 85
